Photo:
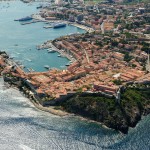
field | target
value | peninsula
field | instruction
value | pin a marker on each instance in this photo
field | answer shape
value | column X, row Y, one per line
column 108, row 77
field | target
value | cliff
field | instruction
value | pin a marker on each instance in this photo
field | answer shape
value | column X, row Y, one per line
column 119, row 116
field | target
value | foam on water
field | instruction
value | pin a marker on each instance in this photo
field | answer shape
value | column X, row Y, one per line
column 24, row 147
column 25, row 127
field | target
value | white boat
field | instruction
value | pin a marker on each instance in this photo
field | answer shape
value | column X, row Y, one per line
column 29, row 60
column 47, row 66
column 58, row 55
column 51, row 51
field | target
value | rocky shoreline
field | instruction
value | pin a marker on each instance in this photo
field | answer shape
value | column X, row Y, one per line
column 113, row 115
column 116, row 117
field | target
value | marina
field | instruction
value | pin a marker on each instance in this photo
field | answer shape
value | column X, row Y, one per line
column 33, row 36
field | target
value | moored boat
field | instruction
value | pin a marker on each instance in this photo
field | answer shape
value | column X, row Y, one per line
column 59, row 25
column 47, row 66
column 50, row 51
column 24, row 19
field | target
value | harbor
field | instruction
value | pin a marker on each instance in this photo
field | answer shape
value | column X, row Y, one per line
column 23, row 48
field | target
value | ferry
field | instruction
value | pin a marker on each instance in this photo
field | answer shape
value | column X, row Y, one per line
column 24, row 19
column 59, row 25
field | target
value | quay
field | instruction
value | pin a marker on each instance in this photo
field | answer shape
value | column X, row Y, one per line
column 62, row 53
column 88, row 29
column 34, row 21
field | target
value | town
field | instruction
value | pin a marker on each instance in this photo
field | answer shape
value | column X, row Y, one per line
column 112, row 54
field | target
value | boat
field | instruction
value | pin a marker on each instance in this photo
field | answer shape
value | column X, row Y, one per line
column 58, row 55
column 59, row 25
column 38, row 7
column 29, row 60
column 68, row 64
column 47, row 67
column 51, row 51
column 24, row 19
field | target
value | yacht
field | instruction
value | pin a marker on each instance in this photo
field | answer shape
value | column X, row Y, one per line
column 47, row 66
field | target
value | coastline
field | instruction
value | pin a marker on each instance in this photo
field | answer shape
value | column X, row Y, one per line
column 34, row 101
column 52, row 110
column 62, row 113
column 83, row 104
column 49, row 109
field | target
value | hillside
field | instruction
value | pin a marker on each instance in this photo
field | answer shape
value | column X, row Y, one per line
column 134, row 104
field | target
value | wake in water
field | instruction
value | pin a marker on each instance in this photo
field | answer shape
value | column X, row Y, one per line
column 24, row 147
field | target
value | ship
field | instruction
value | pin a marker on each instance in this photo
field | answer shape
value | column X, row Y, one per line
column 59, row 25
column 24, row 19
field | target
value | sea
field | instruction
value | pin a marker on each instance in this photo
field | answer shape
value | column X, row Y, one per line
column 24, row 127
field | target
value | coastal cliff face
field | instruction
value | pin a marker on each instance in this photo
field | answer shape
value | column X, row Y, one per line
column 119, row 116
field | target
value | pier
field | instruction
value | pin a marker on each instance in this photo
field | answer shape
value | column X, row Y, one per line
column 34, row 21
column 62, row 53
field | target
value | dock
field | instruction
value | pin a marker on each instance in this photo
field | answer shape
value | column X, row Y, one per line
column 47, row 27
column 34, row 21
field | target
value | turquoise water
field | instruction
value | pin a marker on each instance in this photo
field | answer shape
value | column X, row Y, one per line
column 22, row 126
column 28, row 36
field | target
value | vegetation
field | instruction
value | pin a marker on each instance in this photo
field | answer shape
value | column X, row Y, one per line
column 117, row 82
column 119, row 116
column 127, row 57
